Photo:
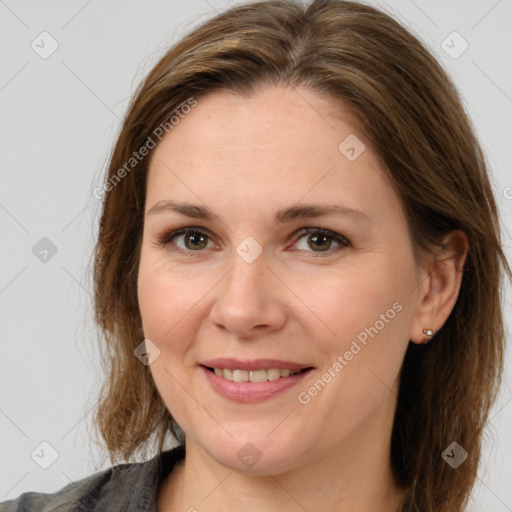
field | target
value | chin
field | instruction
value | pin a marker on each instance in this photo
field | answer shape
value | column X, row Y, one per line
column 257, row 455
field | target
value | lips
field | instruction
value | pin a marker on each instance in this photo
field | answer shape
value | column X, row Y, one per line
column 242, row 381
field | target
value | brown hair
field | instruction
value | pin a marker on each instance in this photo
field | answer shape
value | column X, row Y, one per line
column 366, row 61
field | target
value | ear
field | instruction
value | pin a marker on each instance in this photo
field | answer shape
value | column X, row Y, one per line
column 440, row 287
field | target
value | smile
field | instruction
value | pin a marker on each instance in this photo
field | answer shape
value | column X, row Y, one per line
column 251, row 386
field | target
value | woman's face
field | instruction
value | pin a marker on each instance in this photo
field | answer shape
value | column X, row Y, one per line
column 249, row 284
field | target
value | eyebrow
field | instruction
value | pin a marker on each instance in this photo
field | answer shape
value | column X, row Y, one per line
column 282, row 216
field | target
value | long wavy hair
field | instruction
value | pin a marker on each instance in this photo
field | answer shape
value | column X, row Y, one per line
column 410, row 111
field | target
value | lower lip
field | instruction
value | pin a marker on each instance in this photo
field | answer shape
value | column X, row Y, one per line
column 251, row 392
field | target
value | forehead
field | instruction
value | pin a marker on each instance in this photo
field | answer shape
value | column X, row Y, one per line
column 274, row 117
column 279, row 145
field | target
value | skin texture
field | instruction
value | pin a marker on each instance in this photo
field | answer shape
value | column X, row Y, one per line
column 245, row 159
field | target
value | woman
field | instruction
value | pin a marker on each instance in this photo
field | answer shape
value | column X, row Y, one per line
column 358, row 378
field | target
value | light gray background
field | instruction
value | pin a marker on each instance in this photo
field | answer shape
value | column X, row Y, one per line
column 59, row 119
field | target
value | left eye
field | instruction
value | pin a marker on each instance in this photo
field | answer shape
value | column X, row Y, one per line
column 322, row 239
column 194, row 240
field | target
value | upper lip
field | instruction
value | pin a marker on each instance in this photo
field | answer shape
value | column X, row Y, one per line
column 254, row 364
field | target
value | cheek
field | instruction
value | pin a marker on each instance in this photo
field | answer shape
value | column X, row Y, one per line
column 173, row 302
column 363, row 358
column 164, row 298
column 351, row 301
column 166, row 304
column 166, row 307
column 367, row 313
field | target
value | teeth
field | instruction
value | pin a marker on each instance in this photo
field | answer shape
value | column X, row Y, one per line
column 273, row 374
column 258, row 376
column 254, row 375
column 240, row 375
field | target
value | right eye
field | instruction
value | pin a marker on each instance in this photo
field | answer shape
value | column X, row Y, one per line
column 193, row 240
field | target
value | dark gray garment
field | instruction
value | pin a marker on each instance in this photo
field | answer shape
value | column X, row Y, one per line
column 124, row 487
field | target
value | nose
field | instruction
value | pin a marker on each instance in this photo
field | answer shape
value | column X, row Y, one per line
column 249, row 301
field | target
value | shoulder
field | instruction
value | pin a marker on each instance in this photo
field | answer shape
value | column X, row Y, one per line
column 132, row 486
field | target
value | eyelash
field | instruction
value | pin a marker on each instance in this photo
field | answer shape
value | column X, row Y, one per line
column 165, row 239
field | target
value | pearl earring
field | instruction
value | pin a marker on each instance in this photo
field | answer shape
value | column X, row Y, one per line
column 429, row 333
